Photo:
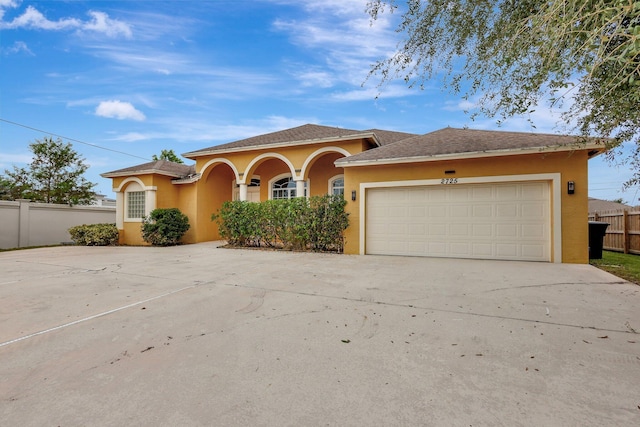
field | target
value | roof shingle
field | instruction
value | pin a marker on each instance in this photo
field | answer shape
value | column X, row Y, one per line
column 162, row 167
column 460, row 141
column 298, row 134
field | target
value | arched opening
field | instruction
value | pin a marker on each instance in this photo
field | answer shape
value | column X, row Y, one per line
column 323, row 176
column 213, row 189
column 269, row 169
column 253, row 189
column 283, row 186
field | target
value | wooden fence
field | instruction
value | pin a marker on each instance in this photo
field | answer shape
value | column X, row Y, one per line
column 623, row 232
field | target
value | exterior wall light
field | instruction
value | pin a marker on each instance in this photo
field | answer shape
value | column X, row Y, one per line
column 571, row 187
column 353, row 195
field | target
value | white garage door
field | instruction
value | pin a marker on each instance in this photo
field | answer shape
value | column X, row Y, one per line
column 508, row 221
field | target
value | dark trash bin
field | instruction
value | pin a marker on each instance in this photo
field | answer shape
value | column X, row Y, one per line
column 597, row 231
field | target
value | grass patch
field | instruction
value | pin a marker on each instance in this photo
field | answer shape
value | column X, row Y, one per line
column 625, row 266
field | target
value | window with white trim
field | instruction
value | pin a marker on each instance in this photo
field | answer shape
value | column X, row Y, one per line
column 285, row 188
column 135, row 204
column 336, row 185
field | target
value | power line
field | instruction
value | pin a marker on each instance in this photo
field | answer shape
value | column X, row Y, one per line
column 72, row 139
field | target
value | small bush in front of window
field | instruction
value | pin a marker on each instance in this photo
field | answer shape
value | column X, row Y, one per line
column 164, row 227
column 94, row 234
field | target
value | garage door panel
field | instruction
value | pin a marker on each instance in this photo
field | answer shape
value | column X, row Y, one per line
column 437, row 211
column 495, row 221
column 459, row 193
column 482, row 210
column 533, row 192
column 460, row 249
column 532, row 251
column 530, row 210
column 437, row 248
column 506, row 193
column 481, row 250
column 533, row 231
column 482, row 230
column 481, row 193
column 417, row 212
column 507, row 230
column 437, row 230
column 460, row 211
column 507, row 250
column 507, row 210
column 460, row 230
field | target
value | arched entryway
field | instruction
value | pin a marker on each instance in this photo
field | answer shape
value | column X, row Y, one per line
column 213, row 189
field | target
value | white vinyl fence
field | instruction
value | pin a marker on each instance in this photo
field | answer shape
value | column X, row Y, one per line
column 24, row 224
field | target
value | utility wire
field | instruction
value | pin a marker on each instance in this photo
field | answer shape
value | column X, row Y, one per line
column 72, row 139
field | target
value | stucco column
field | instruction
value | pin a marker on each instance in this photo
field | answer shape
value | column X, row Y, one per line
column 120, row 210
column 150, row 201
column 300, row 188
column 243, row 192
column 23, row 227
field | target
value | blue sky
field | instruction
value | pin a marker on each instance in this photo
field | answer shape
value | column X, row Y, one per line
column 136, row 77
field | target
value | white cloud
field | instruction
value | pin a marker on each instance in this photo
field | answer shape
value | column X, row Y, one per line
column 461, row 105
column 99, row 22
column 132, row 137
column 119, row 110
column 6, row 4
column 321, row 79
column 340, row 34
column 17, row 47
column 32, row 18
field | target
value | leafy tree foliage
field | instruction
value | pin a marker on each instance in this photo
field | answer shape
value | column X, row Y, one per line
column 167, row 155
column 5, row 189
column 515, row 53
column 55, row 175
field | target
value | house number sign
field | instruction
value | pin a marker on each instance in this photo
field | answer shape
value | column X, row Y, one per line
column 449, row 181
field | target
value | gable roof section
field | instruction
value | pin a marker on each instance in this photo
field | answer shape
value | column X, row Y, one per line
column 466, row 143
column 305, row 134
column 159, row 167
column 389, row 137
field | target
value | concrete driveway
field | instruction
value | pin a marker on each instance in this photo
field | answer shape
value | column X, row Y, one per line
column 197, row 335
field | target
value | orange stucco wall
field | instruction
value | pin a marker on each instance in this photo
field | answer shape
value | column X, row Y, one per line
column 200, row 199
column 571, row 165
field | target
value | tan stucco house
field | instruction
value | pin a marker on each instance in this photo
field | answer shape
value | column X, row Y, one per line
column 457, row 193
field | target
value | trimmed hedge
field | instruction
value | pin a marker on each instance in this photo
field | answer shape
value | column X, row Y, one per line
column 317, row 223
column 164, row 227
column 94, row 234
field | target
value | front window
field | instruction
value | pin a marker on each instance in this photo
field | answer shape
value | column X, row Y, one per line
column 285, row 188
column 337, row 187
column 135, row 204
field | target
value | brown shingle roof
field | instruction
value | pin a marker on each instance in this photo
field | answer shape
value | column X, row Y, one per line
column 389, row 137
column 304, row 133
column 452, row 141
column 161, row 167
column 597, row 205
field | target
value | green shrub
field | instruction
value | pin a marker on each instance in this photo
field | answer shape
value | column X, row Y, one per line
column 164, row 227
column 317, row 223
column 94, row 234
column 238, row 223
column 327, row 223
